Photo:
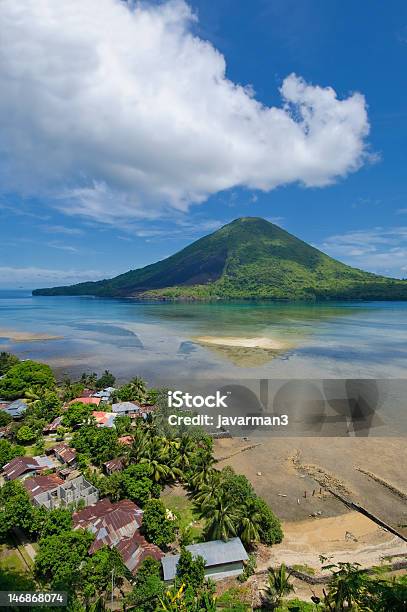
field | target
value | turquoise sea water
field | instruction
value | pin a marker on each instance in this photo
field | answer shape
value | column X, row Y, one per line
column 157, row 340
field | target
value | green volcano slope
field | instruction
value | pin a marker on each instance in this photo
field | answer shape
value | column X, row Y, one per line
column 247, row 259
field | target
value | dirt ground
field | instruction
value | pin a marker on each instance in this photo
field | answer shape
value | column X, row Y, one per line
column 292, row 475
column 287, row 471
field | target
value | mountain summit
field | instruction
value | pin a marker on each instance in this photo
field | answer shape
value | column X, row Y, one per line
column 247, row 258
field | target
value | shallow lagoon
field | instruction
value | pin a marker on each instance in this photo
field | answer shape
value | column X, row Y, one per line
column 159, row 340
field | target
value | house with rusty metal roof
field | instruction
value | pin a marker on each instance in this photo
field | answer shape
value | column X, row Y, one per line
column 41, row 483
column 64, row 453
column 52, row 427
column 23, row 467
column 104, row 419
column 135, row 550
column 117, row 525
column 114, row 465
column 68, row 493
column 222, row 559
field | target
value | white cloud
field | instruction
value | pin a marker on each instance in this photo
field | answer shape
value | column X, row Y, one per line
column 113, row 112
column 381, row 250
column 32, row 276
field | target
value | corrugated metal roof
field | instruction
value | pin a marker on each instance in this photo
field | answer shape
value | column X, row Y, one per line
column 19, row 465
column 40, row 484
column 125, row 407
column 214, row 553
column 16, row 408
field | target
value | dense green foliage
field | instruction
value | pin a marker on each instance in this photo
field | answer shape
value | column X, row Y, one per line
column 191, row 570
column 24, row 376
column 156, row 527
column 248, row 258
column 77, row 414
column 135, row 390
column 7, row 361
column 5, row 418
column 134, row 483
column 148, row 587
column 15, row 509
column 60, row 556
column 8, row 451
column 97, row 444
column 106, row 380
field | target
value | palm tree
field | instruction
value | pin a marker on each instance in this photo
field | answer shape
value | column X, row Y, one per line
column 250, row 525
column 221, row 518
column 185, row 452
column 139, row 387
column 347, row 587
column 32, row 397
column 278, row 586
column 207, row 491
column 201, row 468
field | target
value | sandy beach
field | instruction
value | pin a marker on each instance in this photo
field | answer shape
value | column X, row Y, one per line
column 25, row 336
column 231, row 341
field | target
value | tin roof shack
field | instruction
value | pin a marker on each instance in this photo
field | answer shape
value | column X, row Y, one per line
column 222, row 559
column 64, row 453
column 41, row 483
column 114, row 465
column 70, row 492
column 52, row 427
column 23, row 467
column 16, row 409
column 105, row 395
column 127, row 408
column 117, row 525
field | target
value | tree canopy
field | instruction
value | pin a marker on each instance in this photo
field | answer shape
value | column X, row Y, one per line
column 23, row 376
column 8, row 451
column 156, row 527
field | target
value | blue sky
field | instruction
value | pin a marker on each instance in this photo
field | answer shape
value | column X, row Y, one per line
column 106, row 168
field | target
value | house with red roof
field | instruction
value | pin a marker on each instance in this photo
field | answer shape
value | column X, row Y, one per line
column 104, row 419
column 117, row 525
column 114, row 465
column 126, row 440
column 94, row 401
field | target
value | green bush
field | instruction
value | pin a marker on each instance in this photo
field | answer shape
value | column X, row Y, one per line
column 24, row 376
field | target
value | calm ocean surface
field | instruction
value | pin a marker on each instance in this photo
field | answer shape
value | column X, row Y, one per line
column 157, row 340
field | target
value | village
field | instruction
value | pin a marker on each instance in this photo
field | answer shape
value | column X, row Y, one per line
column 102, row 498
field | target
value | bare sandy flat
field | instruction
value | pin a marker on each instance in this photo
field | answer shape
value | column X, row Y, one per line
column 294, row 476
column 231, row 341
column 290, row 473
column 351, row 538
column 25, row 336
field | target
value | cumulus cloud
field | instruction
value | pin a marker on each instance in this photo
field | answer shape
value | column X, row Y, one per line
column 381, row 250
column 116, row 110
